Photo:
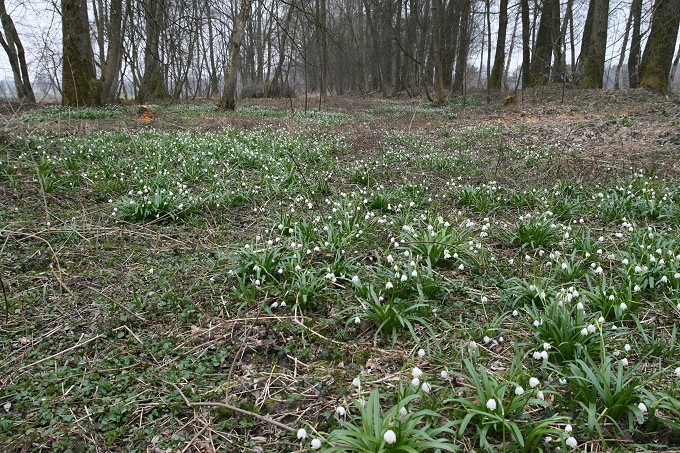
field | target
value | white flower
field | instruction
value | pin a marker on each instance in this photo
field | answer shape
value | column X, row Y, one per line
column 389, row 285
column 537, row 355
column 390, row 437
column 404, row 277
column 416, row 372
column 444, row 374
column 491, row 404
column 571, row 442
column 591, row 328
column 355, row 279
column 519, row 390
column 486, row 339
column 415, row 382
column 568, row 428
column 403, row 412
column 302, row 433
column 533, row 382
column 414, row 273
column 421, row 352
column 484, row 299
column 426, row 387
column 600, row 319
column 624, row 361
column 356, row 382
column 515, row 313
column 357, row 320
column 544, row 355
column 626, row 347
column 340, row 411
column 584, row 331
column 642, row 407
column 636, row 288
column 677, row 371
column 540, row 395
column 579, row 305
column 473, row 344
column 623, row 306
column 316, row 444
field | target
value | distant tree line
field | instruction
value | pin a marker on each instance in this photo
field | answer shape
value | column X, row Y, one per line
column 166, row 50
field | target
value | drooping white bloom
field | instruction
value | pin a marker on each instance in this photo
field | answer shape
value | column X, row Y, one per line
column 568, row 428
column 533, row 382
column 416, row 372
column 444, row 374
column 623, row 306
column 515, row 313
column 491, row 404
column 486, row 339
column 389, row 285
column 302, row 433
column 544, row 354
column 426, row 387
column 537, row 355
column 357, row 320
column 624, row 361
column 415, row 382
column 355, row 279
column 677, row 371
column 421, row 352
column 642, row 407
column 600, row 319
column 626, row 347
column 519, row 391
column 403, row 411
column 571, row 442
column 389, row 437
column 540, row 395
column 316, row 444
column 356, row 382
column 591, row 328
column 341, row 411
column 579, row 305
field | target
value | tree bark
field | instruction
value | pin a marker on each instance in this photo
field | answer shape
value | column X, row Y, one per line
column 17, row 58
column 114, row 55
column 80, row 86
column 495, row 80
column 594, row 65
column 526, row 43
column 437, row 51
column 545, row 38
column 459, row 80
column 153, row 81
column 622, row 56
column 635, row 45
column 228, row 100
column 657, row 58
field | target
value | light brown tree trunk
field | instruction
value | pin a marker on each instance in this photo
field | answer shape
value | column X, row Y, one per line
column 153, row 81
column 545, row 38
column 459, row 80
column 114, row 55
column 228, row 100
column 622, row 56
column 657, row 58
column 80, row 86
column 17, row 58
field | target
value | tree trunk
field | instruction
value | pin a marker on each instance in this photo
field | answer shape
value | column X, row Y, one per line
column 545, row 38
column 635, row 45
column 80, row 86
column 114, row 55
column 495, row 81
column 526, row 43
column 657, row 58
column 153, row 81
column 17, row 58
column 228, row 100
column 459, row 80
column 594, row 65
column 322, row 47
column 622, row 56
column 437, row 51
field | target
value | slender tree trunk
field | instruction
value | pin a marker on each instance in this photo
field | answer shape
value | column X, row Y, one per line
column 114, row 55
column 526, row 43
column 459, row 80
column 674, row 68
column 495, row 81
column 450, row 41
column 541, row 63
column 622, row 56
column 657, row 58
column 506, row 71
column 594, row 65
column 635, row 45
column 322, row 47
column 228, row 100
column 17, row 58
column 437, row 51
column 80, row 86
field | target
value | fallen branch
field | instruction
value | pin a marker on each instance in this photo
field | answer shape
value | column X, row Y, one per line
column 234, row 409
column 61, row 352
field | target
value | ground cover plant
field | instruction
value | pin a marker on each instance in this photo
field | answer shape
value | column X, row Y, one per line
column 375, row 276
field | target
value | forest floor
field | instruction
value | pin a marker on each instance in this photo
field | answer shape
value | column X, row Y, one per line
column 184, row 279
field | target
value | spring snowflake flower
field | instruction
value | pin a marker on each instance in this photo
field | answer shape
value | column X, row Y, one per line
column 519, row 391
column 515, row 313
column 537, row 355
column 340, row 411
column 355, row 279
column 571, row 442
column 416, row 372
column 600, row 319
column 389, row 437
column 415, row 382
column 491, row 404
column 389, row 285
column 403, row 411
column 444, row 374
column 624, row 361
column 357, row 320
column 533, row 382
column 426, row 387
column 421, row 352
column 540, row 395
column 623, row 306
column 356, row 382
column 580, row 306
column 487, row 339
column 302, row 433
column 568, row 428
column 316, row 444
column 544, row 354
column 642, row 407
column 591, row 328
column 626, row 347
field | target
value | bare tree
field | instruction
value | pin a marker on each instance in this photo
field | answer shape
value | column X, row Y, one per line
column 657, row 58
column 495, row 80
column 228, row 100
column 437, row 51
column 593, row 74
column 152, row 85
column 11, row 43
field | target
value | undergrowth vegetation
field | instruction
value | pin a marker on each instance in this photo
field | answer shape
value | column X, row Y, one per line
column 430, row 294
